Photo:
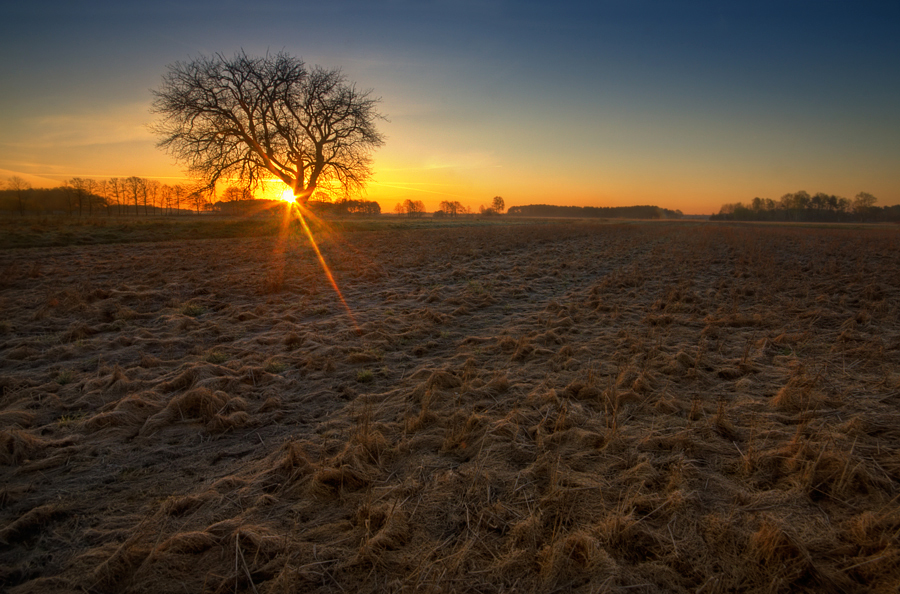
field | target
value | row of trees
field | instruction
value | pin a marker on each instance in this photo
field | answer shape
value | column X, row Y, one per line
column 240, row 203
column 137, row 196
column 801, row 206
column 448, row 208
column 345, row 207
column 609, row 212
column 114, row 196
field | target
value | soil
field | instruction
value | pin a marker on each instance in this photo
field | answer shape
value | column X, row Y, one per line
column 576, row 407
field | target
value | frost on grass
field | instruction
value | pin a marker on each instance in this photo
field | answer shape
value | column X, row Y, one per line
column 534, row 408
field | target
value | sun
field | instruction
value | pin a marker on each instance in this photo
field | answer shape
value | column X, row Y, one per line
column 288, row 195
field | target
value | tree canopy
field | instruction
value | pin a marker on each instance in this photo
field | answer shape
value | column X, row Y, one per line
column 250, row 118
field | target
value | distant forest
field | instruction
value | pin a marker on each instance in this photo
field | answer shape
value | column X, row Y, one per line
column 801, row 207
column 136, row 196
column 343, row 208
column 609, row 212
column 131, row 196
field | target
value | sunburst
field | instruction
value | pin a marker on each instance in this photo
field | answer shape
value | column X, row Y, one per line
column 297, row 210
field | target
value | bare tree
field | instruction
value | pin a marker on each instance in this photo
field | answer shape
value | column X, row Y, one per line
column 117, row 192
column 20, row 187
column 198, row 198
column 82, row 191
column 498, row 204
column 135, row 188
column 165, row 198
column 249, row 118
column 101, row 189
column 178, row 193
column 69, row 197
column 414, row 208
column 863, row 203
column 152, row 195
column 451, row 208
column 90, row 195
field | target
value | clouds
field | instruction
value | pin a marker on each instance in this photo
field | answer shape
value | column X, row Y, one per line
column 656, row 101
column 112, row 125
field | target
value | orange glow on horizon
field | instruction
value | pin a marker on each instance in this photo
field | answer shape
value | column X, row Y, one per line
column 395, row 184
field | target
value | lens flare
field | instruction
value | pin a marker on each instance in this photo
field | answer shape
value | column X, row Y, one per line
column 296, row 210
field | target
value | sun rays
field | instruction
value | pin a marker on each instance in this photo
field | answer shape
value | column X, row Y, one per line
column 295, row 210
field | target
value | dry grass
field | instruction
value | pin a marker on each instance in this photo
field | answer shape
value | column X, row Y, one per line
column 588, row 408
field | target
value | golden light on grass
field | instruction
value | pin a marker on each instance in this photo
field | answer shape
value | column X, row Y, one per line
column 300, row 212
column 719, row 415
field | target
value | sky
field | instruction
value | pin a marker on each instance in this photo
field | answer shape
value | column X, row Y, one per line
column 683, row 105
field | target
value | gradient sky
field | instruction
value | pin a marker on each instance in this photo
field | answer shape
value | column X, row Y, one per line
column 685, row 105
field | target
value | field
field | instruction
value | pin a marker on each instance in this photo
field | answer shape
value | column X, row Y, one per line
column 582, row 407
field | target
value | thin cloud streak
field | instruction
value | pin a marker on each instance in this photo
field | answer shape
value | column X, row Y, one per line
column 398, row 187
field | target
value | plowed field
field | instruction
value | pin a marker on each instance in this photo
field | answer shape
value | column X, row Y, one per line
column 534, row 408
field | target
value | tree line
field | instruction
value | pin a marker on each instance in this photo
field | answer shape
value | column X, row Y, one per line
column 344, row 207
column 454, row 208
column 137, row 196
column 802, row 207
column 610, row 212
column 129, row 196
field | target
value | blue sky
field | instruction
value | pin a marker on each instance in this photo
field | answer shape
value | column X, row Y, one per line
column 681, row 104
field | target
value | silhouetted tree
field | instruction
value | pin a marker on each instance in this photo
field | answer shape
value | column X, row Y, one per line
column 81, row 190
column 451, row 209
column 178, row 194
column 134, row 189
column 152, row 195
column 116, row 191
column 620, row 212
column 413, row 208
column 198, row 198
column 250, row 118
column 19, row 187
column 358, row 207
column 498, row 205
column 863, row 205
